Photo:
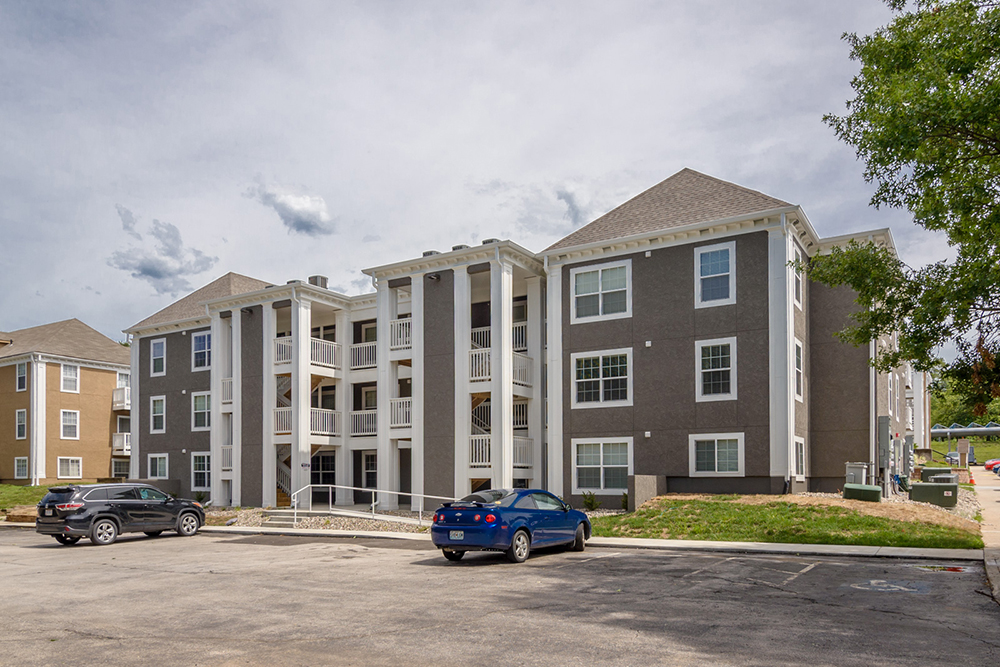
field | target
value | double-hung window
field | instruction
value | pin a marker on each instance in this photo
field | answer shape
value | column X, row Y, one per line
column 602, row 379
column 158, row 357
column 370, row 462
column 157, row 466
column 201, row 411
column 201, row 351
column 119, row 467
column 70, row 425
column 157, row 414
column 20, row 467
column 69, row 467
column 21, row 424
column 715, row 455
column 201, row 471
column 800, row 459
column 715, row 369
column 21, row 383
column 70, row 378
column 601, row 292
column 715, row 275
column 601, row 464
column 799, row 372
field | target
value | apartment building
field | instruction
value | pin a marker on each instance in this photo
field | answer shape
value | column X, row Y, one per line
column 671, row 337
column 64, row 405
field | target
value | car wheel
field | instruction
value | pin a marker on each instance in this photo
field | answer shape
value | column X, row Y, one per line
column 580, row 542
column 520, row 547
column 66, row 539
column 453, row 556
column 153, row 533
column 187, row 525
column 104, row 532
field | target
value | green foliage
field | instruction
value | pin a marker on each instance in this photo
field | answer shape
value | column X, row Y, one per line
column 926, row 123
column 200, row 496
column 625, row 501
column 949, row 407
column 590, row 501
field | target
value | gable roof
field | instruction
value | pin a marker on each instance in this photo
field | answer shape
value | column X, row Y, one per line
column 685, row 198
column 193, row 305
column 69, row 338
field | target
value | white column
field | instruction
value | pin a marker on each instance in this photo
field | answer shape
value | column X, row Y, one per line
column 536, row 406
column 554, row 379
column 779, row 351
column 236, row 419
column 388, row 461
column 501, row 375
column 37, row 404
column 218, row 433
column 463, row 404
column 417, row 390
column 344, row 398
column 301, row 359
column 269, row 457
column 136, row 397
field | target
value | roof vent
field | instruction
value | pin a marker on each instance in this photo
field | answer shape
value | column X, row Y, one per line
column 294, row 282
column 489, row 241
column 318, row 281
column 460, row 246
column 428, row 253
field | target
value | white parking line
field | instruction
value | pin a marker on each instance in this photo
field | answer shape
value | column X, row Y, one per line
column 797, row 574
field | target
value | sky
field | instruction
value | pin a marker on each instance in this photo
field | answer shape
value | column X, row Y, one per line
column 149, row 148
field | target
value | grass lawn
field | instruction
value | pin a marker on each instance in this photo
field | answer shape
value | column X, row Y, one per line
column 985, row 449
column 11, row 495
column 724, row 520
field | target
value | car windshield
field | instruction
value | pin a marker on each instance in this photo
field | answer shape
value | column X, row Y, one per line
column 489, row 496
column 58, row 496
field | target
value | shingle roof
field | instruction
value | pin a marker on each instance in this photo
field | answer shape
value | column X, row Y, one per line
column 192, row 305
column 685, row 198
column 69, row 338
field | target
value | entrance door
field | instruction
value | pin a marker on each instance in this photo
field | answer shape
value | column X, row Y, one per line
column 323, row 471
column 365, row 475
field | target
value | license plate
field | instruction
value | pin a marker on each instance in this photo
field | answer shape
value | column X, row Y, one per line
column 456, row 534
column 48, row 512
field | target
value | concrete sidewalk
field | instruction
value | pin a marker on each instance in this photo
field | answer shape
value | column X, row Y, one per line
column 988, row 492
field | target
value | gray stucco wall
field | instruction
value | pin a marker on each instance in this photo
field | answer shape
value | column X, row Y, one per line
column 252, row 413
column 439, row 385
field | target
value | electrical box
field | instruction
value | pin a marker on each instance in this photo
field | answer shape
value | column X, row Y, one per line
column 942, row 495
column 883, row 442
column 857, row 473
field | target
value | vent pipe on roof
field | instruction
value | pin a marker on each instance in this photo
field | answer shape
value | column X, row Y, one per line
column 318, row 281
column 460, row 246
column 294, row 282
column 429, row 253
column 489, row 241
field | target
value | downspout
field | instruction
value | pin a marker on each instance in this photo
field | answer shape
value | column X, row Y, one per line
column 872, row 414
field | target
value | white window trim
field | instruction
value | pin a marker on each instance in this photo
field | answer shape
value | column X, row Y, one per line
column 698, row 303
column 197, row 369
column 602, row 403
column 801, row 350
column 128, row 380
column 152, row 358
column 62, row 435
column 69, row 458
column 365, row 470
column 118, row 424
column 25, row 424
column 741, row 472
column 573, row 319
column 576, row 490
column 209, row 471
column 797, row 279
column 149, row 459
column 26, row 471
column 800, row 441
column 62, row 379
column 707, row 398
column 365, row 392
column 18, row 375
column 152, row 399
column 889, row 401
column 193, row 395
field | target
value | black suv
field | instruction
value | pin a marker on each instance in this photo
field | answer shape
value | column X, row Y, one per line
column 103, row 511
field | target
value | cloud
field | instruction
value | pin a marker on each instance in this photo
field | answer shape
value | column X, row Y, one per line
column 574, row 212
column 128, row 221
column 363, row 285
column 371, row 238
column 165, row 265
column 301, row 213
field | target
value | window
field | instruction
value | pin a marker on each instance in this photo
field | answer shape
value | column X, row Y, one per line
column 157, row 414
column 798, row 279
column 325, row 397
column 201, row 471
column 890, row 394
column 371, row 470
column 201, row 351
column 602, row 379
column 324, row 468
column 70, row 425
column 21, row 424
column 70, row 468
column 369, row 333
column 715, row 369
column 124, row 424
column 369, row 398
column 898, row 411
column 119, row 467
column 800, row 459
column 158, row 466
column 124, row 380
column 601, row 292
column 158, row 357
column 715, row 455
column 20, row 467
column 799, row 377
column 201, row 411
column 601, row 465
column 715, row 275
column 22, row 376
column 71, row 378
column 327, row 332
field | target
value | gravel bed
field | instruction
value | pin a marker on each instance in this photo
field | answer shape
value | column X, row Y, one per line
column 968, row 503
column 351, row 523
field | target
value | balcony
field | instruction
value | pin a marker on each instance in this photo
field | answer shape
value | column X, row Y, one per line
column 363, row 355
column 479, row 451
column 227, row 390
column 364, row 422
column 121, row 444
column 399, row 413
column 121, row 398
column 522, row 452
column 321, row 352
column 321, row 422
column 481, row 336
column 480, row 371
column 227, row 457
column 400, row 334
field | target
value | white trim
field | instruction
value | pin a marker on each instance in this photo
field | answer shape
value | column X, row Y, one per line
column 136, row 427
column 698, row 252
column 798, row 285
column 37, row 441
column 627, row 351
column 24, row 424
column 208, row 351
column 18, row 375
column 62, row 378
column 21, row 458
column 889, row 403
column 207, row 455
column 699, row 397
column 118, row 462
column 149, row 459
column 577, row 490
column 153, row 399
column 208, row 426
column 60, row 459
column 153, row 357
column 553, row 345
column 800, row 476
column 779, row 326
column 693, row 437
column 62, row 424
column 799, row 357
column 118, row 423
column 627, row 265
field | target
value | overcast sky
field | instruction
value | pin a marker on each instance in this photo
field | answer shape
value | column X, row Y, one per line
column 149, row 148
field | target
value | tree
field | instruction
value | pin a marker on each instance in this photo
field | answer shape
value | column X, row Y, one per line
column 926, row 123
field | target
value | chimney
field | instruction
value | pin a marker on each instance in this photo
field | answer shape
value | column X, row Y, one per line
column 318, row 281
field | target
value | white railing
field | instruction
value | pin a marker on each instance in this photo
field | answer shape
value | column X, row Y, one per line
column 400, row 334
column 324, row 422
column 121, row 398
column 121, row 444
column 520, row 414
column 399, row 412
column 227, row 390
column 282, row 420
column 227, row 457
column 520, row 331
column 364, row 422
column 479, row 365
column 481, row 337
column 522, row 369
column 283, row 350
column 363, row 355
column 284, row 478
column 325, row 353
column 307, row 492
column 479, row 451
column 481, row 416
column 522, row 452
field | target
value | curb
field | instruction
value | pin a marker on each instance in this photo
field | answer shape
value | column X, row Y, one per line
column 991, row 561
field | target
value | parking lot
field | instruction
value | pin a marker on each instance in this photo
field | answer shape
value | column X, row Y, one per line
column 236, row 600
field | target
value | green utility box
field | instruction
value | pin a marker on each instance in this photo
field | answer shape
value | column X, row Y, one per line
column 942, row 495
column 925, row 473
column 867, row 492
column 946, row 478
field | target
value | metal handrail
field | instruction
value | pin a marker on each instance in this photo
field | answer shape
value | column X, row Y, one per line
column 374, row 492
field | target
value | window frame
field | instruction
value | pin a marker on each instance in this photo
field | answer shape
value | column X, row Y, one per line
column 698, row 252
column 365, row 470
column 207, row 471
column 166, row 466
column 797, row 283
column 208, row 411
column 600, row 354
column 365, row 393
column 152, row 415
column 62, row 378
column 603, row 491
column 699, row 387
column 799, row 364
column 195, row 368
column 741, row 457
column 119, row 461
column 62, row 424
column 153, row 357
column 800, row 459
column 890, row 393
column 128, row 380
column 21, row 376
column 17, row 460
column 600, row 317
column 21, row 429
column 59, row 461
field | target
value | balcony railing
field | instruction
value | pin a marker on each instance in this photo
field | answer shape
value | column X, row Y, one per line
column 121, row 398
column 399, row 413
column 321, row 352
column 401, row 334
column 479, row 365
column 364, row 422
column 481, row 336
column 479, row 451
column 363, row 355
column 283, row 350
column 520, row 414
column 522, row 452
column 227, row 457
column 121, row 444
column 321, row 422
column 522, row 369
column 227, row 390
column 282, row 420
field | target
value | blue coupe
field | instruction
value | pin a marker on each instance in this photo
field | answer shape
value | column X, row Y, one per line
column 510, row 520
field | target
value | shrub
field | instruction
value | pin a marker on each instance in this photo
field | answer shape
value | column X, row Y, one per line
column 625, row 501
column 590, row 501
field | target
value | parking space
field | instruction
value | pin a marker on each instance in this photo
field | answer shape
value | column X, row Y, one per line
column 215, row 599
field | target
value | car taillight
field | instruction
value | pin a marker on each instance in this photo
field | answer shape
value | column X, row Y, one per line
column 438, row 517
column 65, row 507
column 477, row 517
column 491, row 518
